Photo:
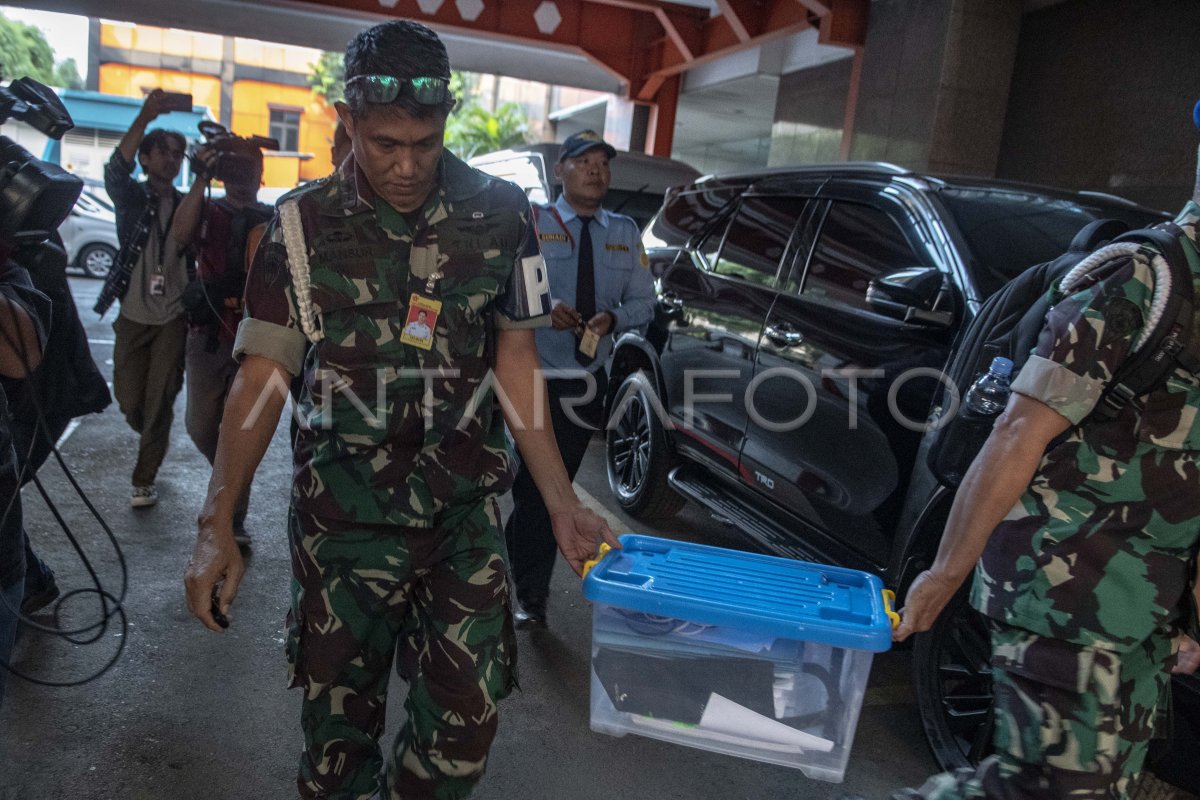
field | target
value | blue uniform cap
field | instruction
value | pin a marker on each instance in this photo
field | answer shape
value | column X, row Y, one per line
column 579, row 143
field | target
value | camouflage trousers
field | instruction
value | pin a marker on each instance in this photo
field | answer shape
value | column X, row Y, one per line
column 1071, row 722
column 434, row 600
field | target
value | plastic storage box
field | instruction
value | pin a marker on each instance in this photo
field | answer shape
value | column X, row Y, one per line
column 750, row 655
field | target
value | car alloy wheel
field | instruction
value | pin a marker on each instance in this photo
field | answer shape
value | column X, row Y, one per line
column 637, row 455
column 953, row 678
column 631, row 448
column 96, row 260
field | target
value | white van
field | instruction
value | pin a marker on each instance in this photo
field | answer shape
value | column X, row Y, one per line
column 638, row 180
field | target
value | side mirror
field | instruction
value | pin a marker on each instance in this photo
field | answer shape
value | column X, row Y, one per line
column 915, row 294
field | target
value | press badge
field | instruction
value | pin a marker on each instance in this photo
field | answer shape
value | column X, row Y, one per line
column 421, row 321
column 589, row 342
column 158, row 285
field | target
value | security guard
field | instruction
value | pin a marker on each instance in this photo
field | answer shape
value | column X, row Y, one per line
column 394, row 529
column 601, row 285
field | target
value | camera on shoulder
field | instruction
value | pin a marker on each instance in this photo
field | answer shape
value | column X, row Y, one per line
column 235, row 156
column 35, row 196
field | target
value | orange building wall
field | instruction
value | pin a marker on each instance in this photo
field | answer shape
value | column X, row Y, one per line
column 252, row 102
column 168, row 41
column 129, row 81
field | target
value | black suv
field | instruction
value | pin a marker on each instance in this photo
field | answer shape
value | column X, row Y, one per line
column 804, row 317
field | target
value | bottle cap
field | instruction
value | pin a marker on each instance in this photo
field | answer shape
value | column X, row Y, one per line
column 1001, row 366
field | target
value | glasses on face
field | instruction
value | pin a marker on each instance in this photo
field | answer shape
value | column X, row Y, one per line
column 386, row 88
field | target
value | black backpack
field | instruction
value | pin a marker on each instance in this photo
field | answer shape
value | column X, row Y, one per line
column 1009, row 322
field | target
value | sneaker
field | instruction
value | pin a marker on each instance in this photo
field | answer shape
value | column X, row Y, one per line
column 143, row 496
column 240, row 535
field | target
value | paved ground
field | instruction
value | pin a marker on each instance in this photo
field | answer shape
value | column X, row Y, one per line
column 188, row 714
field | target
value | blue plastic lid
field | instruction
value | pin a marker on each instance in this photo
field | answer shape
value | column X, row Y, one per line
column 1002, row 366
column 763, row 594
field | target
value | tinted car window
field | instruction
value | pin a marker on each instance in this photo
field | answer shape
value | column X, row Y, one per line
column 1009, row 231
column 758, row 237
column 686, row 214
column 856, row 243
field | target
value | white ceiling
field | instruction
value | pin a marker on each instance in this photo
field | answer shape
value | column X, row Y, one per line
column 725, row 110
column 329, row 29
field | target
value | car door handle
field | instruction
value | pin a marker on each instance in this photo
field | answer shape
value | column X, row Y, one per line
column 671, row 300
column 784, row 335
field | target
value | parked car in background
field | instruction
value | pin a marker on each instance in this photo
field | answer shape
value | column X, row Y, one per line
column 638, row 180
column 89, row 233
column 804, row 316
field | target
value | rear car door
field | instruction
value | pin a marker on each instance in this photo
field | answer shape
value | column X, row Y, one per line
column 842, row 391
column 717, row 299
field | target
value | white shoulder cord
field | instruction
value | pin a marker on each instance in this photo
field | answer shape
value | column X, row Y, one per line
column 1162, row 280
column 297, row 250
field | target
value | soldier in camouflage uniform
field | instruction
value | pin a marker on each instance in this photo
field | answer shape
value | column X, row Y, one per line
column 397, row 553
column 1083, row 551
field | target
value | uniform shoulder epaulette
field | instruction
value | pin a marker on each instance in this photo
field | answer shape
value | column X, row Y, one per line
column 303, row 189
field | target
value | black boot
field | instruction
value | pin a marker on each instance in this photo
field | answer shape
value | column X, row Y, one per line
column 530, row 615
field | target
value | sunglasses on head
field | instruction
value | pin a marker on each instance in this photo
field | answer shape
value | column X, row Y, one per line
column 386, row 88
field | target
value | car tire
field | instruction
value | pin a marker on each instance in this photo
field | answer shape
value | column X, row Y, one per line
column 96, row 260
column 953, row 679
column 638, row 455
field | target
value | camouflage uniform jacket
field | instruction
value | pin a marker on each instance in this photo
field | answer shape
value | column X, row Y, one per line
column 392, row 433
column 1095, row 552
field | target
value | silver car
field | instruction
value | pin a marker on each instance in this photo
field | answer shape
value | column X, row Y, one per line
column 89, row 233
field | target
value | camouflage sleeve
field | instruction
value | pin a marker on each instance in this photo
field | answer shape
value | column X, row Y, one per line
column 524, row 302
column 269, row 327
column 1086, row 337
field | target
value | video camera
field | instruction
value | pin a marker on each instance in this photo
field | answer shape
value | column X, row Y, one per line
column 35, row 197
column 229, row 164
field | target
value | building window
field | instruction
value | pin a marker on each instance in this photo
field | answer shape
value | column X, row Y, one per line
column 285, row 126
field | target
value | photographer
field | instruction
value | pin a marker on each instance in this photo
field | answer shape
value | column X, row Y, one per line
column 35, row 198
column 66, row 385
column 148, row 278
column 218, row 230
column 24, row 318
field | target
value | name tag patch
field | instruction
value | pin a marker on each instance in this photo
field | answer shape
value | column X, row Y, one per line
column 620, row 248
column 552, row 237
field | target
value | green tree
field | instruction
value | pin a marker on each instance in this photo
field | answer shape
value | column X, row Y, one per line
column 328, row 77
column 66, row 75
column 465, row 88
column 24, row 52
column 475, row 130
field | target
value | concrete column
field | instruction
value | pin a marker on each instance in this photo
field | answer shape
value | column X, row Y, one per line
column 227, row 74
column 619, row 121
column 93, row 54
column 935, row 83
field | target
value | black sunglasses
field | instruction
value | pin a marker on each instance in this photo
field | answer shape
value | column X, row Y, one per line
column 386, row 88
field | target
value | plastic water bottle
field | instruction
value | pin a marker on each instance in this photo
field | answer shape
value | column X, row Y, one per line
column 966, row 433
column 988, row 395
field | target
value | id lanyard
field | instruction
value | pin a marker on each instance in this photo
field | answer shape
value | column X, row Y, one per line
column 424, row 308
column 158, row 281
